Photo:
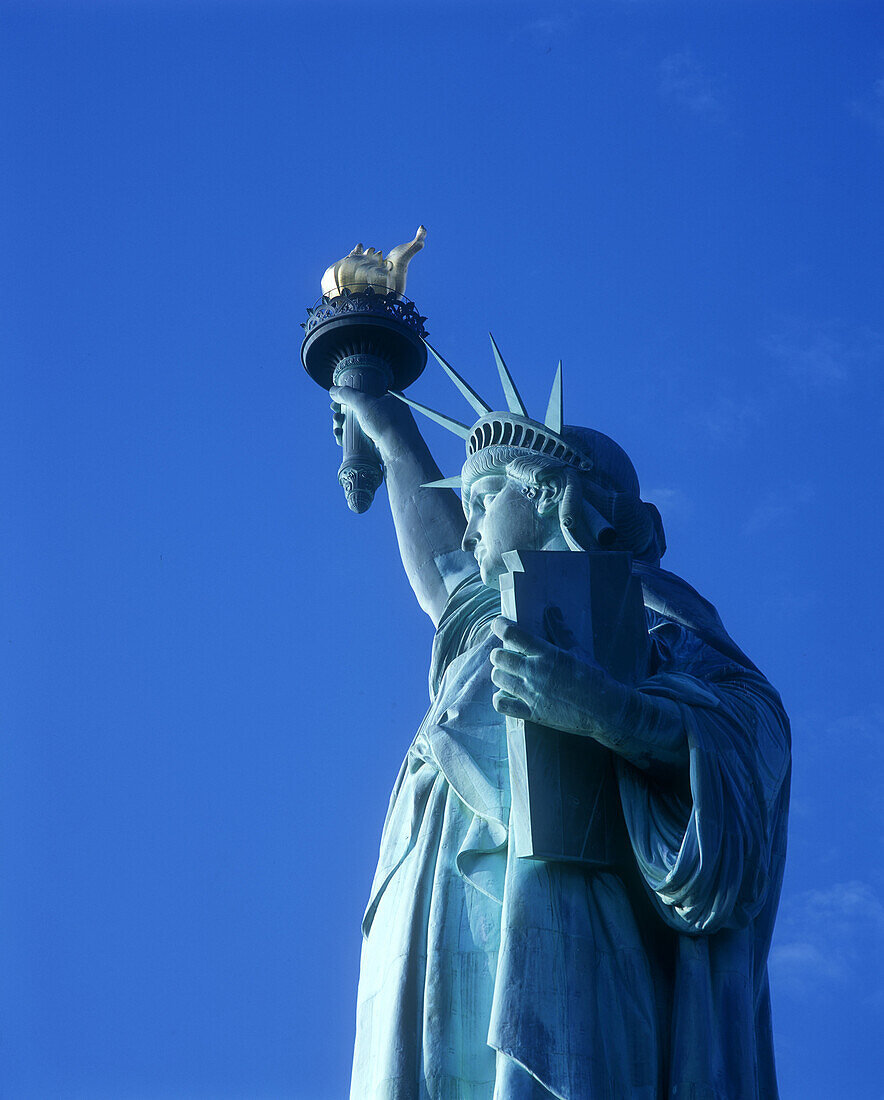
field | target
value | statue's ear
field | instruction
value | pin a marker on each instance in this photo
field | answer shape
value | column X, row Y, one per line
column 550, row 493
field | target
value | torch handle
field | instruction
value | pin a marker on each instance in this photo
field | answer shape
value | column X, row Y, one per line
column 361, row 471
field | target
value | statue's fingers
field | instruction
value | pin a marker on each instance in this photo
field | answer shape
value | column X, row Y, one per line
column 509, row 682
column 509, row 661
column 347, row 396
column 338, row 422
column 514, row 637
column 509, row 704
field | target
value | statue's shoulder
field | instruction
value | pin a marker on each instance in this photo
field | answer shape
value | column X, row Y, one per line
column 677, row 602
column 676, row 647
column 689, row 643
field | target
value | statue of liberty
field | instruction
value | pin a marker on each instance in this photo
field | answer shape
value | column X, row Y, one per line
column 489, row 976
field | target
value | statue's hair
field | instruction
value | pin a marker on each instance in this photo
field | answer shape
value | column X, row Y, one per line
column 587, row 509
column 494, row 460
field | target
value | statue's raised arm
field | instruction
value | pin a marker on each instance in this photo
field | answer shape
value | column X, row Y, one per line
column 363, row 339
column 429, row 523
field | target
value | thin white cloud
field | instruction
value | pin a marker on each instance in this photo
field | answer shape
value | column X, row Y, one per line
column 671, row 503
column 871, row 107
column 865, row 728
column 683, row 80
column 824, row 354
column 714, row 405
column 777, row 509
column 550, row 25
column 726, row 417
column 826, row 937
column 546, row 30
column 794, row 963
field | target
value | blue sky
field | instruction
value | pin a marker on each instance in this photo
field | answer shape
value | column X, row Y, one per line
column 212, row 669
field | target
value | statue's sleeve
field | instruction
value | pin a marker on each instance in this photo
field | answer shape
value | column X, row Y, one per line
column 712, row 851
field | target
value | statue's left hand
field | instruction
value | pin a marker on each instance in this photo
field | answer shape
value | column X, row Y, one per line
column 554, row 685
column 561, row 687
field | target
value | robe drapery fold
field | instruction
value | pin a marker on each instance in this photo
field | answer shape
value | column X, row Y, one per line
column 485, row 976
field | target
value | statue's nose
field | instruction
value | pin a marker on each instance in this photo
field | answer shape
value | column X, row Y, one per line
column 470, row 539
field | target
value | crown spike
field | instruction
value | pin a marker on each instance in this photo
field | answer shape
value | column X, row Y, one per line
column 444, row 483
column 448, row 422
column 554, row 414
column 514, row 402
column 482, row 407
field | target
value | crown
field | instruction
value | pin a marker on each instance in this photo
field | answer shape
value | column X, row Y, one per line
column 513, row 428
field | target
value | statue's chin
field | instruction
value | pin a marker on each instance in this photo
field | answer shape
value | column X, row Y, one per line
column 490, row 576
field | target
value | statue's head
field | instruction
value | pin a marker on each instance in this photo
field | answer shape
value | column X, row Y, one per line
column 528, row 485
column 521, row 498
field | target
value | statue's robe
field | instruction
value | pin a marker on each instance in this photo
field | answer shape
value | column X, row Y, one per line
column 489, row 976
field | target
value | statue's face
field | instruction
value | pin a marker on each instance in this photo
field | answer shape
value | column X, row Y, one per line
column 501, row 518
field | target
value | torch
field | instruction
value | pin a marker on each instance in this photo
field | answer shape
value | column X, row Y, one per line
column 364, row 333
